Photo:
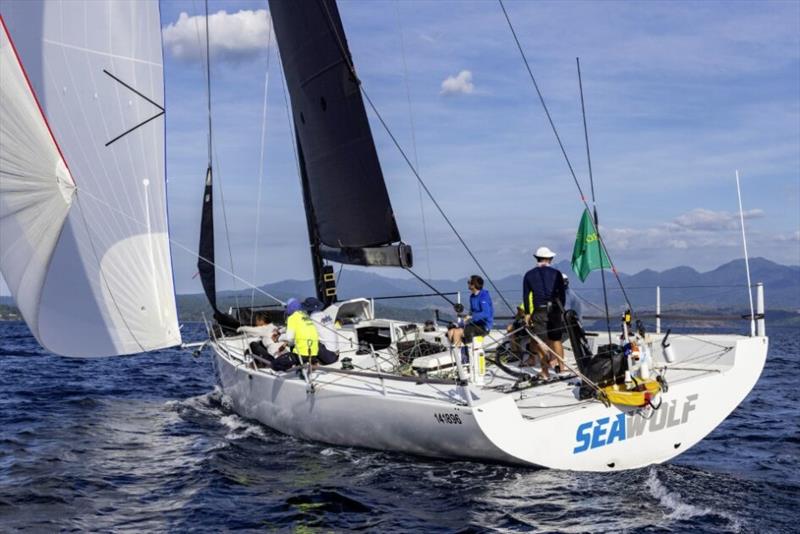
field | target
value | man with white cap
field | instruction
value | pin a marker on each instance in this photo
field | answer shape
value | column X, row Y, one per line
column 543, row 297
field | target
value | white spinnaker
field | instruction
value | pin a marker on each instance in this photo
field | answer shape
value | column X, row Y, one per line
column 35, row 187
column 89, row 267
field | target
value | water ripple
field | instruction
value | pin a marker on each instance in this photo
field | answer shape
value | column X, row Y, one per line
column 149, row 443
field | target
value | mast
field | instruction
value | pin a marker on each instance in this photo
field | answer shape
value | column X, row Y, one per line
column 206, row 262
column 317, row 262
column 206, row 249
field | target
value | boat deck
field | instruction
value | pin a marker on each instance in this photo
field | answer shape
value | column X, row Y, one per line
column 535, row 401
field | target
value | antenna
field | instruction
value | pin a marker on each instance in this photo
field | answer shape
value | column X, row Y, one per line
column 746, row 259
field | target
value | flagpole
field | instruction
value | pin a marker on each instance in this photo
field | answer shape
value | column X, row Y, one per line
column 594, row 203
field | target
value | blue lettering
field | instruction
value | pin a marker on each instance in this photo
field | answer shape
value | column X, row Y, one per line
column 617, row 431
column 599, row 433
column 583, row 436
column 594, row 434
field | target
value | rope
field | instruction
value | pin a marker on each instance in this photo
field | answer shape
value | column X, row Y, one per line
column 208, row 82
column 413, row 136
column 261, row 162
column 594, row 200
column 185, row 248
column 212, row 148
column 438, row 293
column 563, row 150
column 563, row 362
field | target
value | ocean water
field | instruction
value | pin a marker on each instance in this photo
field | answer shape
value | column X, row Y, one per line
column 147, row 443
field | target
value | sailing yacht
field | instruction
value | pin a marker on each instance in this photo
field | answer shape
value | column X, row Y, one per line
column 86, row 256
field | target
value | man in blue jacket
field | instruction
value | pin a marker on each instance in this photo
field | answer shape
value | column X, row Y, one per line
column 543, row 297
column 481, row 313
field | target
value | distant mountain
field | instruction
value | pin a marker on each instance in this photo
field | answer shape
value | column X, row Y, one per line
column 682, row 288
column 725, row 286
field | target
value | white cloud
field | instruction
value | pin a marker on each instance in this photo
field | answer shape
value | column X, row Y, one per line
column 460, row 83
column 695, row 230
column 233, row 36
column 782, row 238
column 703, row 219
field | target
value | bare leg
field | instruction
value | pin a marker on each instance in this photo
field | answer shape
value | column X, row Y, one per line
column 544, row 357
column 455, row 336
column 558, row 348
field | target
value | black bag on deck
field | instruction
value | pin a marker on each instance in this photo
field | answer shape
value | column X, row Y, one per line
column 605, row 368
column 608, row 366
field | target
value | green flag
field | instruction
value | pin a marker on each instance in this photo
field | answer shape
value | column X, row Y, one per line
column 588, row 254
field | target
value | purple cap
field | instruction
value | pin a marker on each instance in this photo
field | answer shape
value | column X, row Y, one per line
column 292, row 305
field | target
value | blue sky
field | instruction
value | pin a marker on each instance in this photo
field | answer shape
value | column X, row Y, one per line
column 678, row 94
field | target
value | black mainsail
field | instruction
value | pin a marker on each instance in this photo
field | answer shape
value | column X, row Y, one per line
column 349, row 215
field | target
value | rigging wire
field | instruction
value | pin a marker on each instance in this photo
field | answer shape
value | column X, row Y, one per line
column 351, row 68
column 438, row 293
column 594, row 201
column 208, row 85
column 211, row 149
column 339, row 274
column 261, row 162
column 561, row 145
column 413, row 136
column 181, row 246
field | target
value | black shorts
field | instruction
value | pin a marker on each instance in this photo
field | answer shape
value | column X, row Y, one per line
column 284, row 362
column 472, row 330
column 258, row 348
column 547, row 325
column 325, row 356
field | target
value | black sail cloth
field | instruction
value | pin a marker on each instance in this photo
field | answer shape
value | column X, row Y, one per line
column 205, row 260
column 350, row 215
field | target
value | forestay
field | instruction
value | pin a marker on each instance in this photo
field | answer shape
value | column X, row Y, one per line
column 84, row 242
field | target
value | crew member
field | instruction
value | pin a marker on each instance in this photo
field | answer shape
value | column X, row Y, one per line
column 327, row 328
column 543, row 297
column 266, row 347
column 481, row 314
column 301, row 334
column 519, row 338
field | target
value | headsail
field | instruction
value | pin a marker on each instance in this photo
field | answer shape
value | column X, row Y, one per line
column 206, row 260
column 84, row 242
column 350, row 215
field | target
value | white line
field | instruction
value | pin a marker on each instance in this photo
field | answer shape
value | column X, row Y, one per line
column 746, row 260
column 98, row 52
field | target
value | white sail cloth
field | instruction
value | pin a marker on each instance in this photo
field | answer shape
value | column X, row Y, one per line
column 84, row 242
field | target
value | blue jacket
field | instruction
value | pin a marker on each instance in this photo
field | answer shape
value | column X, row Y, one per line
column 481, row 309
column 542, row 285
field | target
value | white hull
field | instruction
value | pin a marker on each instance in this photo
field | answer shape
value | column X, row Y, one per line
column 543, row 426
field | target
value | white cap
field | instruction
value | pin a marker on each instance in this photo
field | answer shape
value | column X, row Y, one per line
column 544, row 252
